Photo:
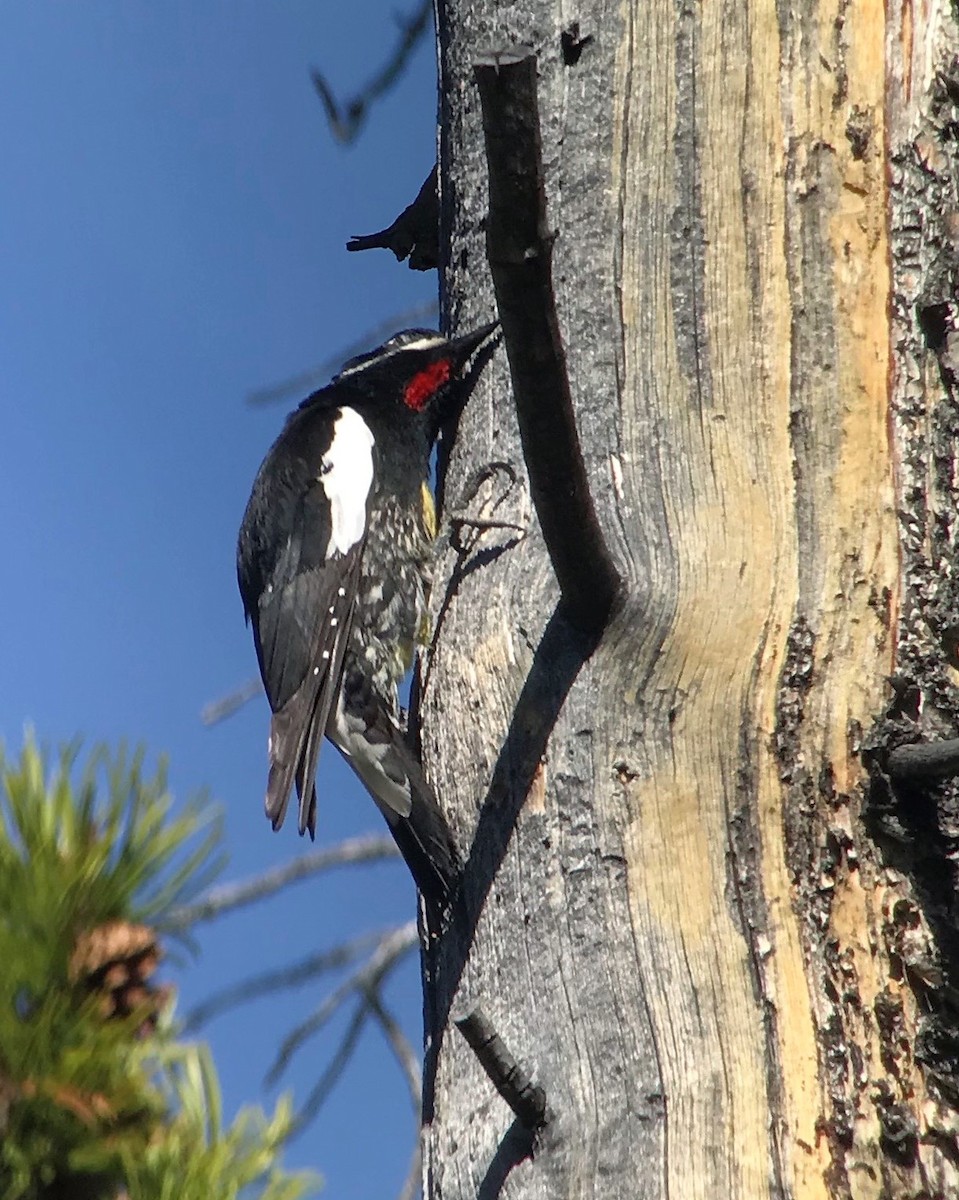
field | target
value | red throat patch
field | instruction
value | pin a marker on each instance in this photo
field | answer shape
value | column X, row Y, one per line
column 425, row 384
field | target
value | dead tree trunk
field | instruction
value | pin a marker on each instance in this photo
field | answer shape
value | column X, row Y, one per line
column 704, row 908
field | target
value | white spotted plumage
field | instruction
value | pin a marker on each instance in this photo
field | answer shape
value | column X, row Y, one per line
column 347, row 476
column 334, row 563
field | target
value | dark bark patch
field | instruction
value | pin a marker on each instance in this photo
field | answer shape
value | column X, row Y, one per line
column 799, row 809
column 937, row 1049
column 572, row 45
column 900, row 1131
column 893, row 1037
column 859, row 131
column 936, row 322
column 687, row 227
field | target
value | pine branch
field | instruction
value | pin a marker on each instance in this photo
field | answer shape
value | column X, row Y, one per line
column 334, row 1070
column 218, row 710
column 398, row 1042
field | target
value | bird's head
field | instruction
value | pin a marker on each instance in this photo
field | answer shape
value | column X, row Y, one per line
column 414, row 367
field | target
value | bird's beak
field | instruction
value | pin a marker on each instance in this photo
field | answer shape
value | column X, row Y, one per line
column 462, row 347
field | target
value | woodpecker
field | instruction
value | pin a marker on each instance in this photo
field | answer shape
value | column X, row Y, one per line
column 334, row 562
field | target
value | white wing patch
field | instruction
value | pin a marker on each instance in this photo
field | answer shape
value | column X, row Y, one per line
column 347, row 475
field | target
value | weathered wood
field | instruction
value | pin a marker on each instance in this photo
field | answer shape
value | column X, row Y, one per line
column 526, row 1099
column 674, row 901
column 519, row 249
column 925, row 760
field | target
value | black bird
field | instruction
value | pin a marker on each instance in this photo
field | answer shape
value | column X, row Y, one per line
column 334, row 565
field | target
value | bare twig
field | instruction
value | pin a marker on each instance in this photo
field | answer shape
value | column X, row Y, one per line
column 414, row 1176
column 384, row 958
column 334, row 1069
column 459, row 521
column 398, row 1042
column 218, row 710
column 283, row 979
column 219, row 900
column 298, row 386
column 414, row 233
column 464, row 518
column 519, row 248
column 347, row 119
column 370, row 1005
column 527, row 1101
column 925, row 760
column 405, row 1055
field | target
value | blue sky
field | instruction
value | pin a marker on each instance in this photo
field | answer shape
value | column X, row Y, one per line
column 173, row 213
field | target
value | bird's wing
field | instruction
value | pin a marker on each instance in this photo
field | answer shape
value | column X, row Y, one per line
column 303, row 633
column 301, row 603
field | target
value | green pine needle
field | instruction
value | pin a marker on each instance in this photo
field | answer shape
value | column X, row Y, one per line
column 90, row 1105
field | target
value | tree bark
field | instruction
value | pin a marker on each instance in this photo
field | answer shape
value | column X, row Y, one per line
column 698, row 910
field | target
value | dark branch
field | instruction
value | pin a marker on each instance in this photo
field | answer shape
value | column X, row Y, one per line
column 519, row 248
column 347, row 119
column 924, row 760
column 234, row 895
column 527, row 1101
column 414, row 233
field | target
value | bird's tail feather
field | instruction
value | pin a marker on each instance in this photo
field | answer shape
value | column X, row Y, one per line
column 296, row 732
column 375, row 748
column 426, row 843
column 296, row 735
column 288, row 732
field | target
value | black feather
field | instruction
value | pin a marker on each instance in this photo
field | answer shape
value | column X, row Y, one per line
column 302, row 578
column 424, row 839
column 370, row 740
column 300, row 603
column 330, row 670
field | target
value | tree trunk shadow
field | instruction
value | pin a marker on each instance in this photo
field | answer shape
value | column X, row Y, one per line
column 562, row 652
column 515, row 1147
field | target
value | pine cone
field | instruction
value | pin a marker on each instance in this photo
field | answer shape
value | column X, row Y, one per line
column 115, row 962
